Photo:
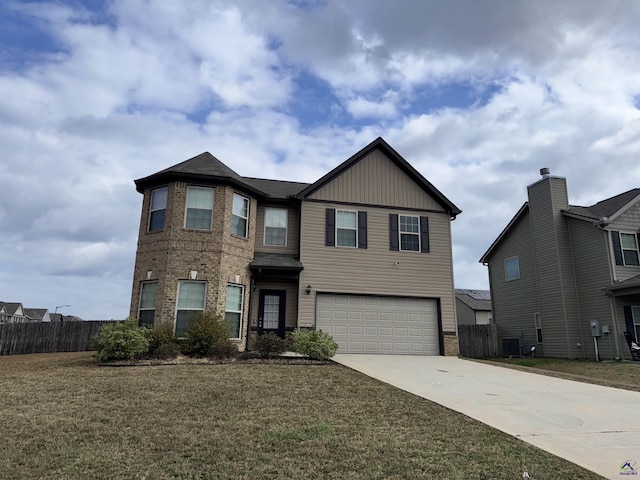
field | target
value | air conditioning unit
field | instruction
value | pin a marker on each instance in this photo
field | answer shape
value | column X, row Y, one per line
column 511, row 347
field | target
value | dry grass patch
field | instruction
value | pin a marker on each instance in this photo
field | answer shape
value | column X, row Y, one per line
column 64, row 417
column 625, row 375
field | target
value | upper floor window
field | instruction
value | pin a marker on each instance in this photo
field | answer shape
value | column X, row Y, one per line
column 511, row 268
column 275, row 227
column 191, row 300
column 147, row 310
column 158, row 209
column 629, row 244
column 346, row 228
column 240, row 216
column 199, row 208
column 409, row 233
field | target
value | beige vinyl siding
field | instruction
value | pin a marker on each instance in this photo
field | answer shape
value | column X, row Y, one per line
column 514, row 302
column 376, row 180
column 629, row 222
column 291, row 312
column 464, row 314
column 292, row 231
column 554, row 268
column 374, row 270
column 591, row 264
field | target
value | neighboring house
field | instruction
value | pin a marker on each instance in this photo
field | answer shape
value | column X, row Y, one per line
column 13, row 312
column 37, row 314
column 473, row 307
column 557, row 268
column 4, row 316
column 363, row 253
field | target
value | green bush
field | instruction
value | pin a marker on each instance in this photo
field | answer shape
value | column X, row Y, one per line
column 163, row 343
column 270, row 345
column 207, row 330
column 122, row 340
column 315, row 344
column 223, row 349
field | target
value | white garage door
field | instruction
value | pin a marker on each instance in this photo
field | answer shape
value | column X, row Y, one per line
column 368, row 324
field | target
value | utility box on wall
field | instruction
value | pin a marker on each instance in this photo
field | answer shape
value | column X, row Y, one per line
column 595, row 328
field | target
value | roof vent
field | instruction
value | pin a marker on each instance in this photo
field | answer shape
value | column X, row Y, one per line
column 544, row 172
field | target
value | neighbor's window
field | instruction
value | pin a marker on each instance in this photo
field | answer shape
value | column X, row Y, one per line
column 629, row 244
column 409, row 233
column 233, row 311
column 511, row 268
column 158, row 209
column 147, row 310
column 190, row 303
column 275, row 227
column 199, row 208
column 240, row 216
column 346, row 228
column 538, row 320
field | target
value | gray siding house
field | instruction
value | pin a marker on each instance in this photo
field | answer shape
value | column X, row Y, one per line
column 556, row 269
column 473, row 307
column 363, row 253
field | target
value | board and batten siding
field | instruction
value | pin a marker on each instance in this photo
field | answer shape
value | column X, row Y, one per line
column 515, row 302
column 375, row 270
column 591, row 266
column 629, row 221
column 375, row 180
column 293, row 219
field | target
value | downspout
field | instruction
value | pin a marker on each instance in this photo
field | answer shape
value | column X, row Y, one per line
column 575, row 282
column 604, row 221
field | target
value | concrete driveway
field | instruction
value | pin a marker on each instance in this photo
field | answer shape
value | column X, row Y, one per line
column 595, row 427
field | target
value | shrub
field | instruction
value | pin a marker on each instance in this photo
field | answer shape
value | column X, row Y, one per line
column 163, row 344
column 223, row 349
column 122, row 341
column 315, row 344
column 270, row 345
column 208, row 329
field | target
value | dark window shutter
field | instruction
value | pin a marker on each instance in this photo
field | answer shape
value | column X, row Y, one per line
column 393, row 232
column 424, row 234
column 330, row 228
column 617, row 249
column 362, row 229
column 628, row 320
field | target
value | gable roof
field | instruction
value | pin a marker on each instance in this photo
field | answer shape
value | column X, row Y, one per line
column 12, row 307
column 519, row 214
column 475, row 299
column 35, row 313
column 277, row 189
column 395, row 157
column 605, row 209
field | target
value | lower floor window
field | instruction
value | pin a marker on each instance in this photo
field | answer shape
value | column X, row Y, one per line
column 538, row 327
column 191, row 297
column 147, row 310
column 636, row 322
column 233, row 311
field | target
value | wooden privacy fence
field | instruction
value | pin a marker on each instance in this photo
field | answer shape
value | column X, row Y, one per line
column 48, row 337
column 478, row 341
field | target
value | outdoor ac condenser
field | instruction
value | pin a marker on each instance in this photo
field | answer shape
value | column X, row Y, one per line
column 511, row 347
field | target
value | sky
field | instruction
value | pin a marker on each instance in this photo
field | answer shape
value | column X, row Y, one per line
column 477, row 95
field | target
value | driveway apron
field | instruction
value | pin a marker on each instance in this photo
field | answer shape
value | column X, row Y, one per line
column 595, row 427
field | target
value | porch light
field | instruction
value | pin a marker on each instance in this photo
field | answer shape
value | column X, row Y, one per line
column 308, row 289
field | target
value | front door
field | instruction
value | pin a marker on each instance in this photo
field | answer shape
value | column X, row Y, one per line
column 271, row 312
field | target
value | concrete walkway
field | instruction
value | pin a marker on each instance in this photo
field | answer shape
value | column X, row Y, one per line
column 595, row 427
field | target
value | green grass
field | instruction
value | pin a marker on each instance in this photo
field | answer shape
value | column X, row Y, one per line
column 625, row 375
column 64, row 417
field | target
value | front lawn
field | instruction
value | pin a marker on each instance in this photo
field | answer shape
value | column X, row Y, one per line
column 625, row 375
column 64, row 417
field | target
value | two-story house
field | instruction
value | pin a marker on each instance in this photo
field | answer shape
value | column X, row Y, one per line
column 363, row 253
column 559, row 272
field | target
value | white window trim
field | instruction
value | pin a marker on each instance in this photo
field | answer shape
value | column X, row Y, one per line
column 400, row 233
column 622, row 249
column 140, row 309
column 151, row 210
column 186, row 208
column 204, row 306
column 246, row 229
column 242, row 290
column 343, row 228
column 537, row 319
column 505, row 268
column 286, row 228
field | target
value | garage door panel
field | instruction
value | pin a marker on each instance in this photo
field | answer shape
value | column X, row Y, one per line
column 369, row 324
